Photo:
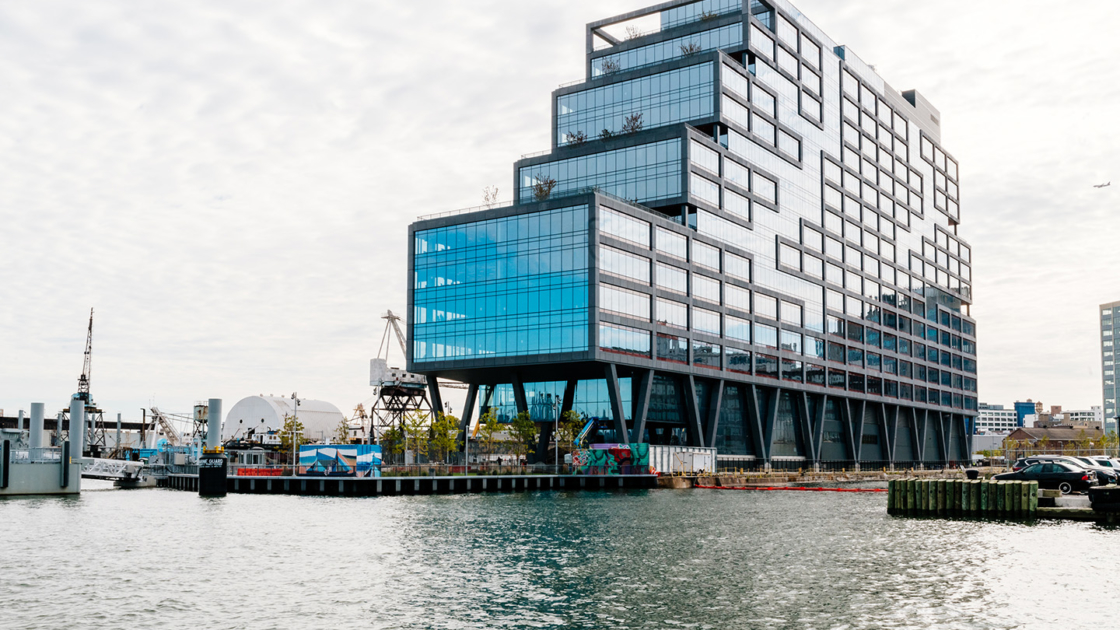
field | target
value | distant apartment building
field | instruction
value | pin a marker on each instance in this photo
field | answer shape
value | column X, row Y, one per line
column 1110, row 314
column 996, row 419
column 1083, row 419
column 1024, row 409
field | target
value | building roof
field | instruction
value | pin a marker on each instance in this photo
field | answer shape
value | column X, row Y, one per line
column 1062, row 434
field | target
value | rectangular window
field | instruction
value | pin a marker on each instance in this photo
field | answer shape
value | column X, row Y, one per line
column 737, row 266
column 837, row 353
column 737, row 174
column 791, row 313
column 791, row 341
column 705, row 255
column 724, row 37
column 735, row 203
column 672, row 279
column 705, row 321
column 765, row 336
column 704, row 157
column 792, row 370
column 739, row 360
column 624, row 340
column 766, row 306
column 658, row 100
column 764, row 187
column 672, row 348
column 624, row 227
column 837, row 379
column 672, row 244
column 704, row 189
column 737, row 298
column 738, row 329
column 735, row 82
column 789, row 145
column 766, row 365
column 648, row 172
column 705, row 288
column 707, row 355
column 670, row 313
column 620, row 264
column 624, row 302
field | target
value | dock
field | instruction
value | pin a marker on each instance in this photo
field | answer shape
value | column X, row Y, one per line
column 395, row 486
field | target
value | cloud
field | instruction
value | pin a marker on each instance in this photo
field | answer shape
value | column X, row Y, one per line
column 230, row 184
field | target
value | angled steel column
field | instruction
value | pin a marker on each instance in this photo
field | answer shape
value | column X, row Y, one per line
column 771, row 419
column 859, row 410
column 818, row 426
column 692, row 410
column 433, row 393
column 641, row 406
column 801, row 400
column 617, row 413
column 915, row 433
column 886, row 427
column 966, row 436
column 468, row 413
column 942, row 444
column 714, row 410
column 921, row 423
column 845, row 405
column 519, row 394
column 754, row 417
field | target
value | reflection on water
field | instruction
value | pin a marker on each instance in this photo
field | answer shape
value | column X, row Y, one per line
column 639, row 559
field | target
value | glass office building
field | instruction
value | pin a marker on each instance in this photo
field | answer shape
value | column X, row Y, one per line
column 1110, row 324
column 742, row 237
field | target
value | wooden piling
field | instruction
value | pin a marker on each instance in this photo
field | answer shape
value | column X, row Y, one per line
column 1032, row 502
column 966, row 498
column 911, row 495
column 983, row 498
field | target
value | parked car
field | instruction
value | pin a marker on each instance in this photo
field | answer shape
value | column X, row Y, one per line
column 1105, row 475
column 1054, row 475
column 1109, row 462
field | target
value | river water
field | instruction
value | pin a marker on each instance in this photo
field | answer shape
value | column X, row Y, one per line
column 635, row 559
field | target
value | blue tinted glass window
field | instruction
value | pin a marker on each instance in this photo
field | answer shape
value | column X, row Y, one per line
column 723, row 37
column 504, row 287
column 646, row 172
column 646, row 102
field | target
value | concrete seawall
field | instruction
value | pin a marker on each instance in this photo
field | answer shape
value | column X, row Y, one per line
column 388, row 486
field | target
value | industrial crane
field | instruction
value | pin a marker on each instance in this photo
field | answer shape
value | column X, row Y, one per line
column 394, row 322
column 95, row 420
column 83, row 380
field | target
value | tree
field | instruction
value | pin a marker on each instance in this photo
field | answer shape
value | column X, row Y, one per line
column 633, row 123
column 576, row 138
column 690, row 49
column 290, row 424
column 606, row 134
column 488, row 427
column 633, row 32
column 524, row 433
column 569, row 426
column 445, row 434
column 342, row 432
column 1043, row 443
column 610, row 65
column 392, row 442
column 542, row 187
column 416, row 432
column 490, row 196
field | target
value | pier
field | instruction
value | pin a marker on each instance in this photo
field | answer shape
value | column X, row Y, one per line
column 394, row 486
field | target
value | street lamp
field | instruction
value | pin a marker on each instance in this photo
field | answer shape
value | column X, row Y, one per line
column 295, row 433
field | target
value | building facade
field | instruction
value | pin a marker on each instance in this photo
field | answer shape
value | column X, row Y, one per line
column 742, row 237
column 1110, row 318
column 996, row 419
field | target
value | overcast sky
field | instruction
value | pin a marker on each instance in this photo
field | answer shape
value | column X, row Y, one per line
column 229, row 184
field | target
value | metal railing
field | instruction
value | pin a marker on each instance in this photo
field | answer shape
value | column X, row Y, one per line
column 452, row 213
column 44, row 455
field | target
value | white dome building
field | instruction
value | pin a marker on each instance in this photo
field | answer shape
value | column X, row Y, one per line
column 320, row 419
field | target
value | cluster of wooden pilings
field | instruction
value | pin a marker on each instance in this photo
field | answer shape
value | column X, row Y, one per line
column 962, row 497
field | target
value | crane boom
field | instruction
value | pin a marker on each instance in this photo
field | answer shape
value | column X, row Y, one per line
column 83, row 380
column 394, row 321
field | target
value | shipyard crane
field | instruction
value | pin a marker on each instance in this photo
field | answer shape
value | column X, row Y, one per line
column 95, row 419
column 396, row 392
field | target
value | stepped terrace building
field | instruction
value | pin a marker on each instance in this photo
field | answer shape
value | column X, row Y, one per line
column 742, row 237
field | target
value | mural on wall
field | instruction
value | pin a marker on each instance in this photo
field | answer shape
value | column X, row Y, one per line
column 612, row 459
column 358, row 460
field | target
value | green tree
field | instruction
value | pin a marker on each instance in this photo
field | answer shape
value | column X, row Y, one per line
column 417, row 431
column 445, row 434
column 570, row 424
column 290, row 424
column 392, row 442
column 342, row 432
column 524, row 432
column 488, row 428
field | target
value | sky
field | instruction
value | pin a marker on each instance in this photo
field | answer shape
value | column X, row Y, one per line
column 229, row 184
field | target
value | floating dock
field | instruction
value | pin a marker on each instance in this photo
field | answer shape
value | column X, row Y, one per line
column 392, row 486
